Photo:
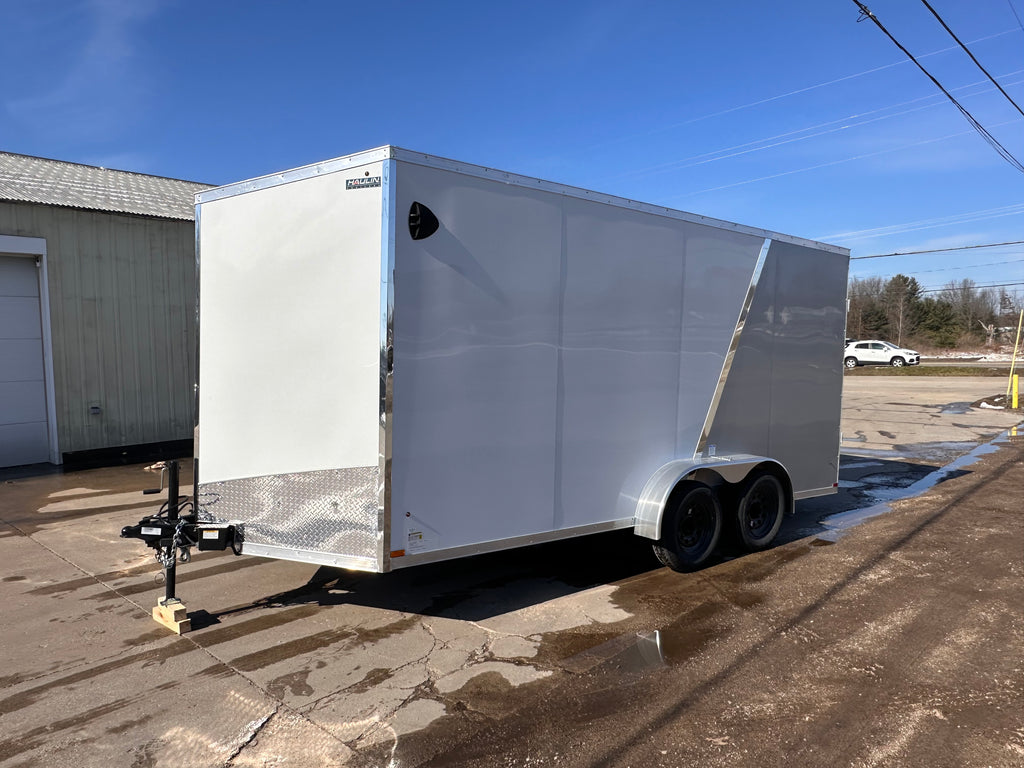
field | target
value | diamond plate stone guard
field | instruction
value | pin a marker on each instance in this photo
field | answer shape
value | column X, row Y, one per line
column 334, row 511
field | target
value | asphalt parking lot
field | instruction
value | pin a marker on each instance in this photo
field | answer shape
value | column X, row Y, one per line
column 892, row 637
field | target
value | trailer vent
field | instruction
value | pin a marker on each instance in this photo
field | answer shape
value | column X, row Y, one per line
column 422, row 221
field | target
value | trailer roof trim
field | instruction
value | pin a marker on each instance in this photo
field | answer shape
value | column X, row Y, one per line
column 431, row 161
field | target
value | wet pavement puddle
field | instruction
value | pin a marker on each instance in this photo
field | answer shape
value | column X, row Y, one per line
column 639, row 652
column 645, row 654
column 955, row 408
column 859, row 464
column 883, row 496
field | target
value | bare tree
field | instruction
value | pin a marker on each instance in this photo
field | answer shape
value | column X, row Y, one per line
column 990, row 332
column 971, row 304
column 866, row 316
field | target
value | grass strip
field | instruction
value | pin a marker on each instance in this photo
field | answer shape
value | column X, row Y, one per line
column 929, row 370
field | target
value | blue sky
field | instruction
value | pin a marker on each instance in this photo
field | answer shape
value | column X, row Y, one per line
column 789, row 116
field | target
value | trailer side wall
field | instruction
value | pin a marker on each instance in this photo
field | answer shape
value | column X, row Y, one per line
column 548, row 352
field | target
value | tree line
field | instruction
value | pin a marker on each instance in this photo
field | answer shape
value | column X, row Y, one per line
column 961, row 314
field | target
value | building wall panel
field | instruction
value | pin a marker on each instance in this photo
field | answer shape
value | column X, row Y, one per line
column 122, row 298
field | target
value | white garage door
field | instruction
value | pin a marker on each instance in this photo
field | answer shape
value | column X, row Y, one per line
column 23, row 424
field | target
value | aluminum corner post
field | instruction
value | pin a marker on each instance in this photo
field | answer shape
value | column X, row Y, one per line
column 389, row 216
column 195, row 384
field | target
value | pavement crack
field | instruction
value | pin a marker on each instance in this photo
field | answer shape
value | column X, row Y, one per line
column 253, row 730
column 262, row 689
column 381, row 722
column 423, row 660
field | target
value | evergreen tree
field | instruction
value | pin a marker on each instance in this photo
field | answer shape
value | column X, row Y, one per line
column 900, row 298
column 937, row 322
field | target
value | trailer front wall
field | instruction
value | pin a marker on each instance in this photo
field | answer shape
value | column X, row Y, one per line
column 548, row 352
column 289, row 388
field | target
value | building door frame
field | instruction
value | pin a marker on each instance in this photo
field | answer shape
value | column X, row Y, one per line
column 35, row 247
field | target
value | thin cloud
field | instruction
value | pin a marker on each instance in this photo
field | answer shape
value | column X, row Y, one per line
column 767, row 100
column 958, row 219
column 811, row 132
column 101, row 81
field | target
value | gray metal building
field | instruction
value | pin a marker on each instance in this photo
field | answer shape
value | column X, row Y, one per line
column 97, row 309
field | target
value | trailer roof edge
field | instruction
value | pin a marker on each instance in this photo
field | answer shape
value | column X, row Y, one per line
column 387, row 152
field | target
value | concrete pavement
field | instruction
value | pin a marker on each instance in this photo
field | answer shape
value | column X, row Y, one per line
column 900, row 644
column 924, row 418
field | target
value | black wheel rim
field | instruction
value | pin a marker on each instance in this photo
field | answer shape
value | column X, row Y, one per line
column 697, row 522
column 762, row 507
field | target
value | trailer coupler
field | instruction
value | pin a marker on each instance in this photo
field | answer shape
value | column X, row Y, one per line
column 172, row 532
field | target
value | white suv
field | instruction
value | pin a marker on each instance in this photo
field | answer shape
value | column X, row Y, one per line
column 875, row 352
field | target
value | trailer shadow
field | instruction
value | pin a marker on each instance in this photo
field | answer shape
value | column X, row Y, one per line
column 481, row 587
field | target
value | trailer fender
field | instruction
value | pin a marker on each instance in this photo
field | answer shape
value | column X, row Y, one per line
column 650, row 506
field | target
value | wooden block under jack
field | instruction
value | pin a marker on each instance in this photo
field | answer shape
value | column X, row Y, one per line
column 173, row 615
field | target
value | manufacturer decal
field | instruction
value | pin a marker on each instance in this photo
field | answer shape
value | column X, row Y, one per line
column 363, row 183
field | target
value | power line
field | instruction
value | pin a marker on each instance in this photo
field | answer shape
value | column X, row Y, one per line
column 957, row 269
column 973, row 58
column 993, row 142
column 831, row 163
column 790, row 137
column 1019, row 24
column 954, row 287
column 798, row 91
column 937, row 250
column 759, row 102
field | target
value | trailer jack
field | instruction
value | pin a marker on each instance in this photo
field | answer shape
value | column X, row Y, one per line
column 172, row 532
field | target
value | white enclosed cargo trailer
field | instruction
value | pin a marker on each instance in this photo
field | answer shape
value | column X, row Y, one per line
column 406, row 359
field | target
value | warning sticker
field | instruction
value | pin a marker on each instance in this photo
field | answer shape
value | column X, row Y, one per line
column 417, row 542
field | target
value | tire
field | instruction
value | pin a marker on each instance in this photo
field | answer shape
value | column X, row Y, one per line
column 897, row 362
column 691, row 528
column 761, row 508
column 850, row 362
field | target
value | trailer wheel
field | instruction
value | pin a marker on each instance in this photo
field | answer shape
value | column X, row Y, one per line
column 898, row 362
column 691, row 528
column 850, row 362
column 762, row 505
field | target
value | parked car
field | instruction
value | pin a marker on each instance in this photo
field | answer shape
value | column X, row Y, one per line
column 874, row 352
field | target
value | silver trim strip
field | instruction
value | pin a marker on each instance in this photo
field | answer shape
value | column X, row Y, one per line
column 306, row 556
column 502, row 544
column 432, row 161
column 741, row 321
column 810, row 494
column 389, row 216
column 195, row 384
